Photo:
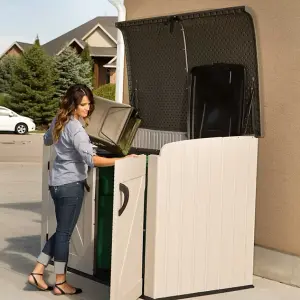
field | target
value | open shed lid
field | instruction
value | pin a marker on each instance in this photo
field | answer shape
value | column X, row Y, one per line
column 156, row 62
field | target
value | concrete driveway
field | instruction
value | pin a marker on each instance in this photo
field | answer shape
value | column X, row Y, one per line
column 20, row 222
column 18, row 148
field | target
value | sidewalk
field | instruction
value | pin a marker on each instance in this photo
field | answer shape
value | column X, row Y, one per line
column 13, row 287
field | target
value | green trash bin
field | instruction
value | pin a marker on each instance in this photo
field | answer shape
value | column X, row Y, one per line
column 105, row 212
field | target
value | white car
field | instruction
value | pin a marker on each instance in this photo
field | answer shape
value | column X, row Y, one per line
column 11, row 121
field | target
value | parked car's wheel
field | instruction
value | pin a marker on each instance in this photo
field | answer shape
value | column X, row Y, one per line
column 21, row 128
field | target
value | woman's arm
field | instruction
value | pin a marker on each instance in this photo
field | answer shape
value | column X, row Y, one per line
column 48, row 139
column 84, row 147
column 100, row 161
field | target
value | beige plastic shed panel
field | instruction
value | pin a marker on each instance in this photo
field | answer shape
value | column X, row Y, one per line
column 82, row 241
column 128, row 220
column 200, row 216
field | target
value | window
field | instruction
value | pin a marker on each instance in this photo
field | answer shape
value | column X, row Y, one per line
column 4, row 112
column 107, row 80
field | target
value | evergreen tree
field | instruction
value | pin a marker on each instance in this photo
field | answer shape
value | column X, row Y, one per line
column 7, row 68
column 32, row 89
column 86, row 57
column 70, row 70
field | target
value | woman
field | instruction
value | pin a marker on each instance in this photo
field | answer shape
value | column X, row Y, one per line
column 67, row 182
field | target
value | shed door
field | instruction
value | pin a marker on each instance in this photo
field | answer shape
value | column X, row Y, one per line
column 128, row 218
column 82, row 241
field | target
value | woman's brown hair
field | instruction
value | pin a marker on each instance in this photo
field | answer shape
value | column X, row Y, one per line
column 68, row 105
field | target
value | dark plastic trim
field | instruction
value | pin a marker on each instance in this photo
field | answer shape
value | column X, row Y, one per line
column 181, row 17
column 202, row 293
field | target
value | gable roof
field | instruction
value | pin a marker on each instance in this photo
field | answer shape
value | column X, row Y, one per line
column 24, row 46
column 20, row 45
column 80, row 44
column 99, row 26
column 108, row 23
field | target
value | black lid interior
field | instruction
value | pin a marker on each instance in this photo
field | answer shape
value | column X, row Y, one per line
column 156, row 62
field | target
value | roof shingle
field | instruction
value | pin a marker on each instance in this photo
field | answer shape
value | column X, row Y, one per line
column 108, row 23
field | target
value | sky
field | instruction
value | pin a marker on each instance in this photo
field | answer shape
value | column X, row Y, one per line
column 23, row 20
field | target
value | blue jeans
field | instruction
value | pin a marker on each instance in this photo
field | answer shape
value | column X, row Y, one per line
column 68, row 200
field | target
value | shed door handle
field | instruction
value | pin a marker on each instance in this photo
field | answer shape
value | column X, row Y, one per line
column 124, row 189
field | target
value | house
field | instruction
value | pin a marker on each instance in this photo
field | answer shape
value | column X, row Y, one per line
column 99, row 33
column 277, row 203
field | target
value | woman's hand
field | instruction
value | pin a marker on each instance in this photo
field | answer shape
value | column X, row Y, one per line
column 132, row 155
column 100, row 161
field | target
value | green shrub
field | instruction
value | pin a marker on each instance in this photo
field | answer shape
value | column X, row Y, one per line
column 4, row 100
column 107, row 91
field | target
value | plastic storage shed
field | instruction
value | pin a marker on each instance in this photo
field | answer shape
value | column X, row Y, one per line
column 200, row 220
column 200, row 193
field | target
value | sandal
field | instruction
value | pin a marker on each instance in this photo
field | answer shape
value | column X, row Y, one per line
column 36, row 284
column 77, row 291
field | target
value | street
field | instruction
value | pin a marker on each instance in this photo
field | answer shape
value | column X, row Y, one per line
column 20, row 222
